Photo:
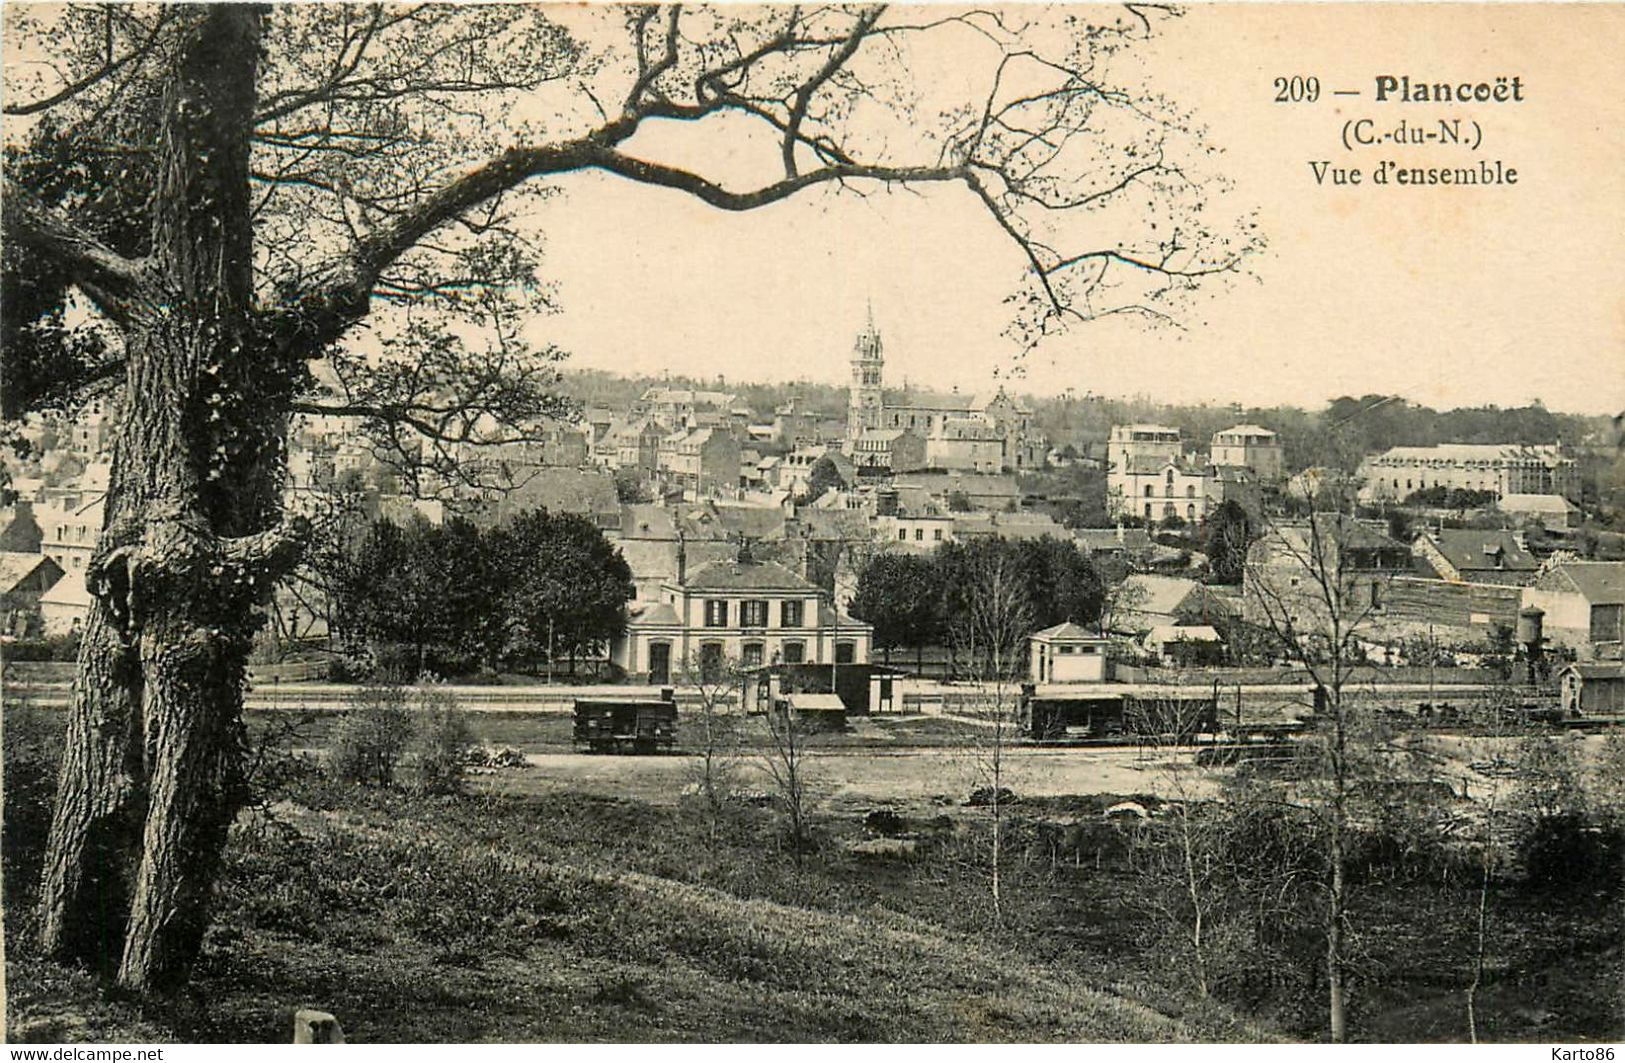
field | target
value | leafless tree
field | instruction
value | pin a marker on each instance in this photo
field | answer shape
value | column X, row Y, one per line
column 1181, row 856
column 992, row 634
column 786, row 766
column 1302, row 585
column 283, row 210
column 715, row 769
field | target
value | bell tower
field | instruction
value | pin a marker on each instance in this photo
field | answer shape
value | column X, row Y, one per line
column 866, row 397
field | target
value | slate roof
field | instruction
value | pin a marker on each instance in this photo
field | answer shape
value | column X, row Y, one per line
column 1158, row 594
column 16, row 567
column 655, row 614
column 1066, row 630
column 969, row 484
column 1150, row 465
column 1524, row 503
column 834, row 525
column 1471, row 549
column 745, row 576
column 752, row 522
column 1600, row 582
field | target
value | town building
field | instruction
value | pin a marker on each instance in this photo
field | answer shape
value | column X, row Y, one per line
column 682, row 408
column 634, row 447
column 794, row 425
column 1156, row 488
column 1552, row 512
column 71, row 526
column 700, row 461
column 918, row 530
column 1145, row 601
column 1152, row 441
column 1068, row 653
column 743, row 613
column 1293, row 565
column 1473, row 555
column 890, row 450
column 24, row 578
column 986, row 433
column 1584, row 606
column 1500, row 469
column 1249, row 446
column 65, row 606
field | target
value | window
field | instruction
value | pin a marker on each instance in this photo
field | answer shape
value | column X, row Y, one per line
column 1607, row 622
column 1190, row 512
column 1190, row 491
column 753, row 614
column 750, row 654
column 795, row 652
column 1065, row 650
column 792, row 613
column 902, row 534
column 710, row 662
column 845, row 652
column 1148, row 490
column 716, row 613
column 936, row 535
column 919, row 535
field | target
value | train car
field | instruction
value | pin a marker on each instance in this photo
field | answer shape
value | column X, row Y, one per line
column 1098, row 712
column 626, row 725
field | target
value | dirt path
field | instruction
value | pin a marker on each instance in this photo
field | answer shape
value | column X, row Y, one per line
column 875, row 777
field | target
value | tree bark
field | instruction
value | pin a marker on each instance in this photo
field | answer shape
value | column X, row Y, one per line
column 152, row 776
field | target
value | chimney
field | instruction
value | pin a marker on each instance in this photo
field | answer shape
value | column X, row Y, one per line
column 682, row 560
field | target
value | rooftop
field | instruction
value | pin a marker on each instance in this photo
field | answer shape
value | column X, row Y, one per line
column 746, row 576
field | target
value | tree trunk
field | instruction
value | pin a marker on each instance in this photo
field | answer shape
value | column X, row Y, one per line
column 151, row 775
column 96, row 826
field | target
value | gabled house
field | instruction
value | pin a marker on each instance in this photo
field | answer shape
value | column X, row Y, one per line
column 1284, row 569
column 24, row 579
column 1552, row 512
column 1068, row 653
column 1472, row 555
column 1584, row 606
column 1144, row 601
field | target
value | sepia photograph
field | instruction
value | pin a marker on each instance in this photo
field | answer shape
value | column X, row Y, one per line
column 740, row 523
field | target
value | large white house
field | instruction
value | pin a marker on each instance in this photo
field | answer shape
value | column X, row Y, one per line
column 746, row 613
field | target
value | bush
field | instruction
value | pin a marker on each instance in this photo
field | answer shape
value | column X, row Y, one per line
column 1568, row 851
column 49, row 648
column 370, row 738
column 442, row 741
column 33, row 751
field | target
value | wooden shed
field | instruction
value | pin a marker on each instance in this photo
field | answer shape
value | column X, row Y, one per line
column 1592, row 689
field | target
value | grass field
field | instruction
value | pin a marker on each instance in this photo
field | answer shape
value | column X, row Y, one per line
column 547, row 905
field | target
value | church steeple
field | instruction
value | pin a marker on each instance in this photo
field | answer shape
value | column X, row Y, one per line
column 866, row 397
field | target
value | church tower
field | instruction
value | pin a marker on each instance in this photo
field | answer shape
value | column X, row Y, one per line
column 866, row 398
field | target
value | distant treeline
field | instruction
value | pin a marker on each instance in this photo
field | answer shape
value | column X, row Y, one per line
column 1335, row 436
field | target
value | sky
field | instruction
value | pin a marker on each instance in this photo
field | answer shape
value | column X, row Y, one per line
column 1448, row 296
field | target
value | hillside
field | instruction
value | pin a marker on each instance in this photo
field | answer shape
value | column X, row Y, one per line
column 422, row 930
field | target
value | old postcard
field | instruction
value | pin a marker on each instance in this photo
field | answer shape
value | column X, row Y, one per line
column 718, row 524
